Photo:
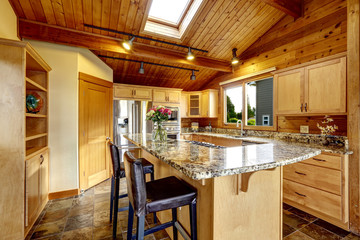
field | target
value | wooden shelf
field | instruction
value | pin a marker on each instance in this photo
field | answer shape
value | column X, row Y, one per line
column 30, row 152
column 35, row 115
column 36, row 136
column 31, row 85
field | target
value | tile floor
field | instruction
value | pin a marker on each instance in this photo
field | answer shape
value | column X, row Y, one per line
column 87, row 217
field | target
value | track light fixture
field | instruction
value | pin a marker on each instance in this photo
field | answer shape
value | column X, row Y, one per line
column 128, row 44
column 190, row 56
column 141, row 69
column 193, row 77
column 234, row 60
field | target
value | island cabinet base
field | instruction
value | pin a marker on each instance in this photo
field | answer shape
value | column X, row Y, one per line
column 224, row 211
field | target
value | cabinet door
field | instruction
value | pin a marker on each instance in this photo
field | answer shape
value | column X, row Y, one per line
column 194, row 105
column 290, row 92
column 205, row 104
column 142, row 93
column 213, row 103
column 44, row 177
column 173, row 96
column 325, row 88
column 123, row 92
column 184, row 105
column 32, row 199
column 159, row 96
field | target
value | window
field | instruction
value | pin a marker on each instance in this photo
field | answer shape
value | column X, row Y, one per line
column 168, row 12
column 233, row 100
column 259, row 95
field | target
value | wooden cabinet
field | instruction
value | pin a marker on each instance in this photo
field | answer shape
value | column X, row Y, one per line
column 37, row 186
column 132, row 92
column 22, row 72
column 166, row 96
column 319, row 186
column 315, row 89
column 202, row 104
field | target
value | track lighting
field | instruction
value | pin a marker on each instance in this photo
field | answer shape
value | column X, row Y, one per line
column 190, row 56
column 128, row 44
column 193, row 77
column 234, row 60
column 141, row 69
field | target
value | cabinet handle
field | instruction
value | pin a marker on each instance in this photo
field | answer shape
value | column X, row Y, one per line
column 301, row 107
column 305, row 107
column 134, row 92
column 319, row 160
column 300, row 173
column 42, row 159
column 300, row 194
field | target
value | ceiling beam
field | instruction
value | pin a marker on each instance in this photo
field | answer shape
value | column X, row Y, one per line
column 50, row 33
column 290, row 7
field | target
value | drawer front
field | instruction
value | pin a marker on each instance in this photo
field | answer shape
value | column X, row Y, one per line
column 318, row 200
column 324, row 160
column 205, row 139
column 322, row 178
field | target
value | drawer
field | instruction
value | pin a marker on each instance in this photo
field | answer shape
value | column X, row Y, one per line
column 204, row 139
column 322, row 178
column 318, row 200
column 324, row 160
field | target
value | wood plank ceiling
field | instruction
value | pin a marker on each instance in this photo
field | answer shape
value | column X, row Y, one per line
column 219, row 26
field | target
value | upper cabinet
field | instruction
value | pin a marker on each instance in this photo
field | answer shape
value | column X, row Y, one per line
column 315, row 89
column 166, row 96
column 202, row 104
column 132, row 92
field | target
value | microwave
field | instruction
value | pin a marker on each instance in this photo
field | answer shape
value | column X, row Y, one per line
column 174, row 117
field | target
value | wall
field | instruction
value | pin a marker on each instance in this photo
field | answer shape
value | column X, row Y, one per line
column 66, row 63
column 8, row 21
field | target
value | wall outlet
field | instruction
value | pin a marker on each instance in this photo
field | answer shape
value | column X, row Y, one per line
column 304, row 129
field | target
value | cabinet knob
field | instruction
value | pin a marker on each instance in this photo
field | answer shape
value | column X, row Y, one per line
column 305, row 107
column 301, row 107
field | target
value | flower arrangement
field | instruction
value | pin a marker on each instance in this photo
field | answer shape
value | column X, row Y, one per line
column 327, row 129
column 158, row 114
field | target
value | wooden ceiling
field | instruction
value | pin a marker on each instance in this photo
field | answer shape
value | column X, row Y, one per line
column 218, row 27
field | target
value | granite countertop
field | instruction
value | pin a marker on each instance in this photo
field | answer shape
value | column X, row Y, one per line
column 200, row 162
column 328, row 149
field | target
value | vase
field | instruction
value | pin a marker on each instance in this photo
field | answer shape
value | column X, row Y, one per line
column 159, row 133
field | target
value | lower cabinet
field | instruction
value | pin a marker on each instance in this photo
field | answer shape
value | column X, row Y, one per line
column 319, row 186
column 36, row 186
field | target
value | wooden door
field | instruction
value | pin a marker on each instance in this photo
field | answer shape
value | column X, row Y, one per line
column 32, row 199
column 184, row 105
column 123, row 92
column 44, row 177
column 194, row 105
column 325, row 87
column 94, row 126
column 142, row 93
column 205, row 104
column 173, row 96
column 289, row 93
column 159, row 96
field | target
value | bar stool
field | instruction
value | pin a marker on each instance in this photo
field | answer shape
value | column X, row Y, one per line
column 155, row 196
column 119, row 172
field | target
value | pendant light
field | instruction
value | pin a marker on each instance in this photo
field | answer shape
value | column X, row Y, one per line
column 193, row 77
column 190, row 56
column 128, row 44
column 234, row 60
column 141, row 69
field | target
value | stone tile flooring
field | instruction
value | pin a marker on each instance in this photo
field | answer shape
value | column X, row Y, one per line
column 87, row 217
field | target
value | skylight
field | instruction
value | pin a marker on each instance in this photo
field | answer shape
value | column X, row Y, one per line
column 168, row 11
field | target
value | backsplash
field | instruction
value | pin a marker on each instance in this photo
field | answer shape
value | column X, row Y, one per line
column 292, row 137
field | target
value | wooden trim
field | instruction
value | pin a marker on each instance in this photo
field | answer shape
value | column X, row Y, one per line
column 248, row 76
column 320, row 60
column 142, row 86
column 353, row 99
column 293, row 8
column 63, row 194
column 95, row 80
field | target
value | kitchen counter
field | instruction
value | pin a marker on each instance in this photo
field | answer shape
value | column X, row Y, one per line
column 200, row 162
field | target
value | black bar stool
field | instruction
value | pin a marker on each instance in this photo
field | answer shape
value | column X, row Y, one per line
column 119, row 172
column 155, row 196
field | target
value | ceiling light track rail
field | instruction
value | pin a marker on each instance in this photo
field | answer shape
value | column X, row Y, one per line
column 150, row 63
column 146, row 38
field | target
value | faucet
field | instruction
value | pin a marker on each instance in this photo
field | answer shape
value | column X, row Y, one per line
column 242, row 127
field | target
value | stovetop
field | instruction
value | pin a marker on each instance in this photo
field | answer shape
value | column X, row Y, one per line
column 206, row 144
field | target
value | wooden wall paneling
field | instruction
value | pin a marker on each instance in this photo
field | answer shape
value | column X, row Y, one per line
column 59, row 13
column 17, row 8
column 26, row 6
column 292, row 124
column 292, row 8
column 38, row 10
column 353, row 100
column 69, row 13
column 78, row 18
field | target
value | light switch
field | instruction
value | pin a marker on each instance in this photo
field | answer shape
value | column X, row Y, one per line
column 304, row 129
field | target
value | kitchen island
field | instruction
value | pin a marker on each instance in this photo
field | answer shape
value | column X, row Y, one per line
column 239, row 188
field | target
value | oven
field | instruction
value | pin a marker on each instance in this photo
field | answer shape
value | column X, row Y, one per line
column 172, row 125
